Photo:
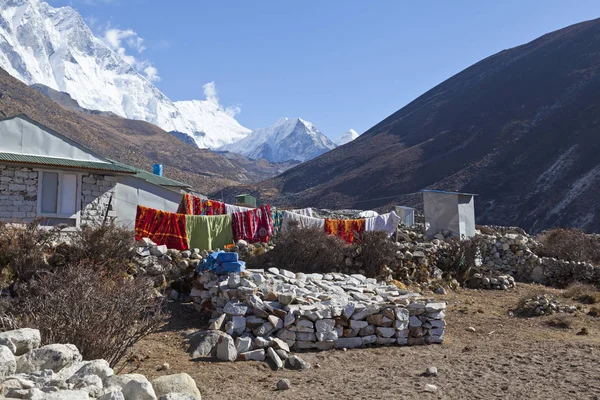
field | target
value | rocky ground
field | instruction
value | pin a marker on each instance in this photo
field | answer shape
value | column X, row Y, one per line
column 505, row 357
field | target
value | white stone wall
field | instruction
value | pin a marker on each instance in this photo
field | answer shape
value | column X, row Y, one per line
column 18, row 193
column 96, row 193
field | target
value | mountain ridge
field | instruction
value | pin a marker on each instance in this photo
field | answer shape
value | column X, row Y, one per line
column 499, row 128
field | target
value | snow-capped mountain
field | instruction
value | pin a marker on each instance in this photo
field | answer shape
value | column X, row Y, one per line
column 288, row 139
column 347, row 137
column 55, row 47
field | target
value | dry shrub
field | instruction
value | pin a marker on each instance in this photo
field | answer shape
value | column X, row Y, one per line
column 583, row 293
column 100, row 245
column 560, row 322
column 24, row 250
column 375, row 250
column 306, row 250
column 569, row 245
column 458, row 261
column 100, row 312
column 594, row 312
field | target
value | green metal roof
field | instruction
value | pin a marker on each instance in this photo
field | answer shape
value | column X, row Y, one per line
column 153, row 178
column 65, row 163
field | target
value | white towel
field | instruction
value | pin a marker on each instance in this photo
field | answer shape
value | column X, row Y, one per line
column 308, row 212
column 229, row 209
column 367, row 214
column 303, row 221
column 384, row 222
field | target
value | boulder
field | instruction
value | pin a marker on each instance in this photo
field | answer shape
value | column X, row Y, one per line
column 52, row 356
column 295, row 362
column 226, row 348
column 177, row 396
column 21, row 341
column 95, row 367
column 203, row 343
column 177, row 383
column 8, row 362
column 67, row 395
column 112, row 396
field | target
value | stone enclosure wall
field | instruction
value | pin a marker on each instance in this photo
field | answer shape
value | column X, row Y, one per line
column 97, row 198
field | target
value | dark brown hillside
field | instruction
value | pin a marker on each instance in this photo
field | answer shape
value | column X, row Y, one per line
column 133, row 142
column 521, row 128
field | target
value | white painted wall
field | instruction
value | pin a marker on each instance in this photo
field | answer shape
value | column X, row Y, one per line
column 131, row 191
column 21, row 136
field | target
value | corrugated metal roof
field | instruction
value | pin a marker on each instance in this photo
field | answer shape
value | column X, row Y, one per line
column 65, row 163
column 153, row 178
column 445, row 192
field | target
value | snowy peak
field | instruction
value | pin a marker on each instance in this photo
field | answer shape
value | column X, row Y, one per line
column 347, row 137
column 287, row 139
column 40, row 44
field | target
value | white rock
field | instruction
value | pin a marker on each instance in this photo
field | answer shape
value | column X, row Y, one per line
column 8, row 362
column 177, row 396
column 254, row 355
column 158, row 250
column 112, row 396
column 67, row 395
column 430, row 388
column 21, row 341
column 217, row 323
column 324, row 325
column 226, row 349
column 274, row 357
column 100, row 368
column 327, row 336
column 139, row 390
column 385, row 332
column 177, row 383
column 52, row 356
column 243, row 344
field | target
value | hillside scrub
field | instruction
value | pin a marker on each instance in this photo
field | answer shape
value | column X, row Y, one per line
column 78, row 292
column 569, row 245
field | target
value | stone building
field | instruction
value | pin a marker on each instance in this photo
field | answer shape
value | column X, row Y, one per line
column 46, row 175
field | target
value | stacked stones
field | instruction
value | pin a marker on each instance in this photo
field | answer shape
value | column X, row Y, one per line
column 18, row 193
column 269, row 313
column 500, row 282
column 513, row 253
column 56, row 371
column 97, row 192
column 544, row 304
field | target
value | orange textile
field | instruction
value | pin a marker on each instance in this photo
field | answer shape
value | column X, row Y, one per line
column 190, row 205
column 213, row 207
column 161, row 227
column 347, row 229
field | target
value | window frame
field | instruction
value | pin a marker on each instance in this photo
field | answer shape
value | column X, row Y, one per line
column 77, row 215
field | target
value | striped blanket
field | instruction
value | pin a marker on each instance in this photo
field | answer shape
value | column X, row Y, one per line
column 190, row 205
column 347, row 229
column 161, row 227
column 253, row 226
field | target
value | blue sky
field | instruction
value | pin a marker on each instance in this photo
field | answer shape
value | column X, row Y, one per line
column 339, row 64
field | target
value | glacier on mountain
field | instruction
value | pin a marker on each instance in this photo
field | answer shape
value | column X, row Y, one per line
column 287, row 139
column 55, row 47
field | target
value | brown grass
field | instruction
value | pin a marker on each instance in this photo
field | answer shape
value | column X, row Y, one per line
column 583, row 293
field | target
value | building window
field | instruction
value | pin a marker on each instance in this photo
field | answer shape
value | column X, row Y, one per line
column 58, row 194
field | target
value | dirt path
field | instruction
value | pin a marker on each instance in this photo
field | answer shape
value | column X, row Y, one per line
column 507, row 358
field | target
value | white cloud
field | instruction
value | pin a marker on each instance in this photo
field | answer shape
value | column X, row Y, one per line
column 210, row 92
column 122, row 41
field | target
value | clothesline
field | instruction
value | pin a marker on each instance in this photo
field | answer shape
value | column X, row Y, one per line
column 210, row 224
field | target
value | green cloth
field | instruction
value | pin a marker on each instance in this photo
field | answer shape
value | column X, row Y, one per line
column 208, row 232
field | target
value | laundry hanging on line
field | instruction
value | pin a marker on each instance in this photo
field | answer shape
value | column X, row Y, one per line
column 384, row 222
column 347, row 229
column 209, row 232
column 162, row 227
column 194, row 205
column 230, row 209
column 302, row 220
column 308, row 212
column 253, row 226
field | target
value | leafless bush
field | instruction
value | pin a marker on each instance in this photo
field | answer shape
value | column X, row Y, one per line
column 100, row 245
column 306, row 250
column 101, row 312
column 569, row 245
column 375, row 251
column 24, row 250
column 583, row 293
column 458, row 260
